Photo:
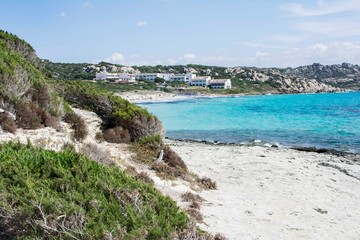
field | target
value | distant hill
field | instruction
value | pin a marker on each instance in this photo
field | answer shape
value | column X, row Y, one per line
column 310, row 78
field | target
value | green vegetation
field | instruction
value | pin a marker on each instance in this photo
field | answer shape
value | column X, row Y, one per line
column 65, row 195
column 69, row 71
column 113, row 110
column 246, row 86
column 44, row 194
column 24, row 90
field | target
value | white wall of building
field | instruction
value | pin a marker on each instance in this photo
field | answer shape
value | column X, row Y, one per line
column 220, row 84
column 200, row 81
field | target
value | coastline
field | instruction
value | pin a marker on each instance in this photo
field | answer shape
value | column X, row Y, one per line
column 148, row 97
column 329, row 151
column 275, row 193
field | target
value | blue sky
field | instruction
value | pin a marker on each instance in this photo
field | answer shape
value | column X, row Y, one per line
column 259, row 33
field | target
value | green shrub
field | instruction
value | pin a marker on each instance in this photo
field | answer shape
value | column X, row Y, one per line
column 45, row 194
column 113, row 110
column 116, row 135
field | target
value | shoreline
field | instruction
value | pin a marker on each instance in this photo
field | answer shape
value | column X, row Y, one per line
column 153, row 97
column 330, row 151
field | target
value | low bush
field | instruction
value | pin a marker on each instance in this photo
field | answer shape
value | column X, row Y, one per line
column 7, row 123
column 191, row 197
column 219, row 236
column 172, row 159
column 78, row 124
column 113, row 110
column 52, row 121
column 30, row 116
column 99, row 136
column 196, row 214
column 207, row 183
column 147, row 149
column 117, row 135
column 64, row 195
column 195, row 205
column 164, row 171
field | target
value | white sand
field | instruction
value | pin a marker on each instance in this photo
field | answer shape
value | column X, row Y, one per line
column 269, row 193
column 145, row 96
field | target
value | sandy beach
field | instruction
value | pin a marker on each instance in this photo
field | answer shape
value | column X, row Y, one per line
column 275, row 193
column 145, row 96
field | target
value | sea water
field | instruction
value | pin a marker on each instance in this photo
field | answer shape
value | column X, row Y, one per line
column 327, row 120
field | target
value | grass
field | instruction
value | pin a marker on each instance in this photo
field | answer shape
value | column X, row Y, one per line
column 65, row 195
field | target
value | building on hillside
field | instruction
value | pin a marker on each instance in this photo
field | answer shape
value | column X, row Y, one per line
column 202, row 81
column 181, row 77
column 148, row 76
column 220, row 84
column 114, row 76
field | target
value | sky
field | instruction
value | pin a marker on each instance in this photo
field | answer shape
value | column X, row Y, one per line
column 261, row 33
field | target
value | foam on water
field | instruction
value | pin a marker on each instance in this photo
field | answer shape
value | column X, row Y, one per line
column 319, row 120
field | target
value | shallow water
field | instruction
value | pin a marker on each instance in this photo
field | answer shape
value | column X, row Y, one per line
column 329, row 120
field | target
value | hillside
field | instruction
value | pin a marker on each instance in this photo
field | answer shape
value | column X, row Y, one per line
column 311, row 78
column 89, row 188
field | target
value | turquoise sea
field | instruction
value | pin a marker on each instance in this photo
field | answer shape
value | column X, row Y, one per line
column 327, row 120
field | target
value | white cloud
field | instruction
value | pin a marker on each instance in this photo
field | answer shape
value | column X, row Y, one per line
column 259, row 54
column 142, row 24
column 319, row 47
column 116, row 58
column 189, row 56
column 322, row 8
column 335, row 27
column 63, row 14
column 87, row 5
column 261, row 45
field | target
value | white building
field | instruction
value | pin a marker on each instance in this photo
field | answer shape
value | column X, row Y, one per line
column 148, row 76
column 200, row 81
column 220, row 84
column 114, row 76
column 181, row 77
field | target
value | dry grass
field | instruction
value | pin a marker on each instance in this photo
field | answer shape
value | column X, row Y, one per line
column 164, row 171
column 172, row 159
column 219, row 236
column 195, row 214
column 145, row 177
column 93, row 152
column 99, row 136
column 117, row 135
column 30, row 116
column 207, row 183
column 68, row 146
column 131, row 171
column 52, row 121
column 191, row 197
column 78, row 124
column 7, row 123
column 195, row 205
